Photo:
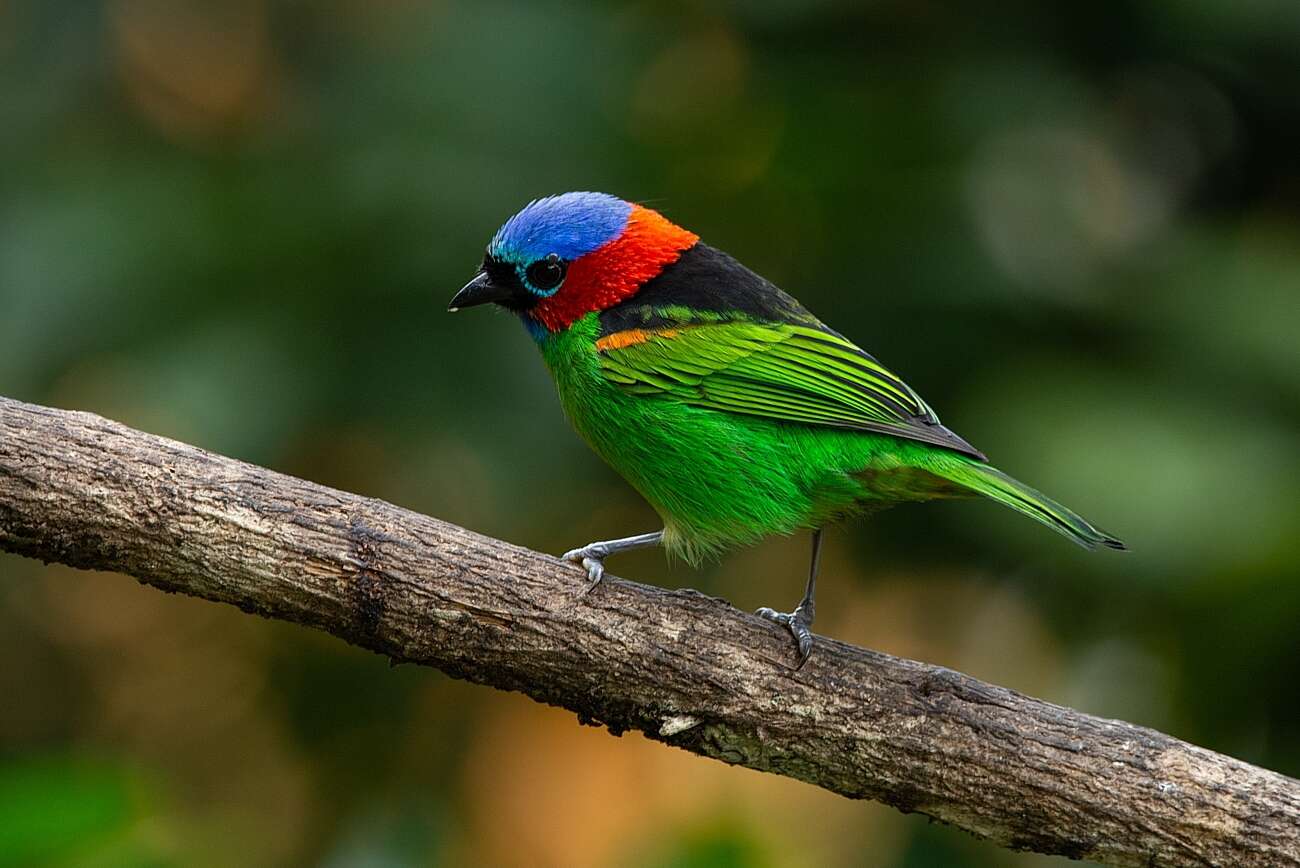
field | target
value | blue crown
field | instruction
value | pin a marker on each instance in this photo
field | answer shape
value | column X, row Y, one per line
column 570, row 225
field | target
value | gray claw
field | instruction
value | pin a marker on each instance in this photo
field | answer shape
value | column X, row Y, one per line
column 592, row 558
column 798, row 623
column 595, row 572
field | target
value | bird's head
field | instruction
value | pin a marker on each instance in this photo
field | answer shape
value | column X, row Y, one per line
column 565, row 256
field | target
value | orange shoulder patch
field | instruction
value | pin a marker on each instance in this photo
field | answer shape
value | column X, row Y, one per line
column 630, row 338
column 618, row 340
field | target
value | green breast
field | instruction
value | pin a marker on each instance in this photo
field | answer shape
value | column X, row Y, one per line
column 719, row 479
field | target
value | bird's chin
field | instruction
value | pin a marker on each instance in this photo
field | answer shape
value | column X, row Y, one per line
column 535, row 327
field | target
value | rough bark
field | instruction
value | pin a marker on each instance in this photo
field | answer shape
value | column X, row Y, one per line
column 685, row 669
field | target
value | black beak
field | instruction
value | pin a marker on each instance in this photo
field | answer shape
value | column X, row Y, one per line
column 480, row 290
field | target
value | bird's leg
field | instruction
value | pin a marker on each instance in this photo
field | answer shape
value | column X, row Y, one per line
column 800, row 620
column 592, row 556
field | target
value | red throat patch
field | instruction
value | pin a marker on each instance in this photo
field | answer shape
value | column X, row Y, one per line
column 616, row 269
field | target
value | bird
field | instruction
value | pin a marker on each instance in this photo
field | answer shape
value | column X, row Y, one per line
column 733, row 410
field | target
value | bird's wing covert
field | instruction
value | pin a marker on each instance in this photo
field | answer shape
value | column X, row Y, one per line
column 783, row 371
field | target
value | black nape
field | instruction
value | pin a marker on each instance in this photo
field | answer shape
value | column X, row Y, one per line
column 704, row 279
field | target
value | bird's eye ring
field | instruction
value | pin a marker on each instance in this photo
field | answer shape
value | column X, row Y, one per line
column 546, row 275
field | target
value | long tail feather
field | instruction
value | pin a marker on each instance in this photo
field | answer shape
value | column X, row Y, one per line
column 993, row 483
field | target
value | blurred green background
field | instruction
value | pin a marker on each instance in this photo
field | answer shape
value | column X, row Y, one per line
column 1075, row 228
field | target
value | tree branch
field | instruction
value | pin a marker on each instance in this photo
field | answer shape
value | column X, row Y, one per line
column 685, row 669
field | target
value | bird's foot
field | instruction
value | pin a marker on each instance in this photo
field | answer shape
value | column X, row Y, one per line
column 592, row 557
column 799, row 623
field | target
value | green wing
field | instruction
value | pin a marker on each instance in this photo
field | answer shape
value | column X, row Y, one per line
column 787, row 371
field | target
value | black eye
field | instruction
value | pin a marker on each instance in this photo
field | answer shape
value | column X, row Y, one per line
column 546, row 274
